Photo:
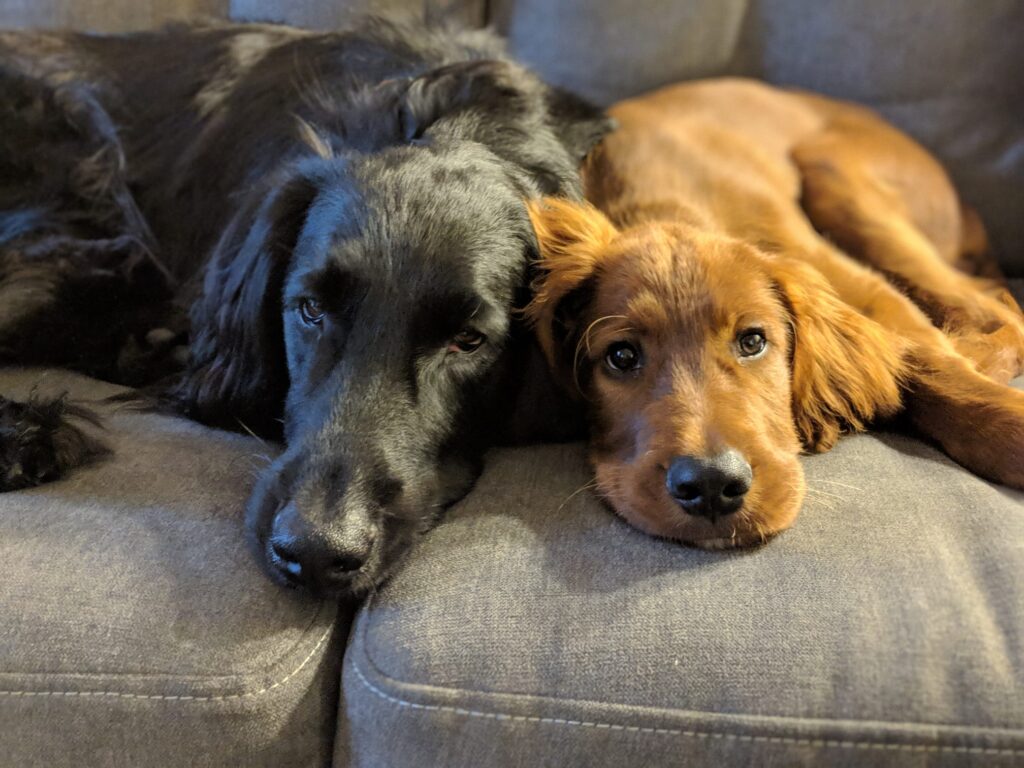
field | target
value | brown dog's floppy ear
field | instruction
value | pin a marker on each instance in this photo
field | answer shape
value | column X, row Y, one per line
column 571, row 237
column 846, row 369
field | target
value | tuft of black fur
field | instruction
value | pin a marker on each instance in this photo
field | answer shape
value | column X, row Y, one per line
column 198, row 186
column 39, row 441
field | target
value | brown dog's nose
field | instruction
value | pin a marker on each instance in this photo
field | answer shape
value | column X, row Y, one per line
column 709, row 487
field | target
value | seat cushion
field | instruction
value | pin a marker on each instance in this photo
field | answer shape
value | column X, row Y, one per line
column 534, row 628
column 135, row 626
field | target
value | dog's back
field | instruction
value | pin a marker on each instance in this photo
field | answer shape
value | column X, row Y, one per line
column 191, row 116
column 735, row 151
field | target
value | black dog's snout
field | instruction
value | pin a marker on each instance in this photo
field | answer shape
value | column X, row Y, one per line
column 709, row 487
column 308, row 556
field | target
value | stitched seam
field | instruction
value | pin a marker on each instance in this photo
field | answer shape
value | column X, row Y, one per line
column 164, row 697
column 692, row 734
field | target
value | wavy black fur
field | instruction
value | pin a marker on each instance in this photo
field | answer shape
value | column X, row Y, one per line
column 168, row 200
column 40, row 441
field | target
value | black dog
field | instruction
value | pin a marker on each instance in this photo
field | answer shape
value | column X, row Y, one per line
column 333, row 224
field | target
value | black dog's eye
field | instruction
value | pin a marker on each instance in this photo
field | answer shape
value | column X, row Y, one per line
column 310, row 312
column 622, row 357
column 466, row 340
column 751, row 342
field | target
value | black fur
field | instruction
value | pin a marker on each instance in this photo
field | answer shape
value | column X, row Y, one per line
column 39, row 441
column 197, row 185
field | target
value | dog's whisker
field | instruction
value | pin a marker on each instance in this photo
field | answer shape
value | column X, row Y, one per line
column 841, row 485
column 828, row 494
column 585, row 487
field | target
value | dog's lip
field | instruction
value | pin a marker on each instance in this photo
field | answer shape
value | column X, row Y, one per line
column 279, row 570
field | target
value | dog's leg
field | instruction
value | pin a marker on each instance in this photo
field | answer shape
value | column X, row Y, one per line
column 80, row 286
column 911, row 230
column 978, row 422
column 88, row 305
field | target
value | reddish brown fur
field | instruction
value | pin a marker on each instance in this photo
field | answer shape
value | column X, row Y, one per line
column 727, row 205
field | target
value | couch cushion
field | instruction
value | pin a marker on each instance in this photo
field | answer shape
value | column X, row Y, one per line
column 533, row 628
column 327, row 14
column 946, row 71
column 135, row 626
column 105, row 15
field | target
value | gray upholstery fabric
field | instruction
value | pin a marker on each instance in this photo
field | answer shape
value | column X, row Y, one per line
column 533, row 628
column 105, row 15
column 946, row 71
column 326, row 15
column 128, row 15
column 136, row 628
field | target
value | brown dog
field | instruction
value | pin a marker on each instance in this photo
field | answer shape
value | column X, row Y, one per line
column 771, row 269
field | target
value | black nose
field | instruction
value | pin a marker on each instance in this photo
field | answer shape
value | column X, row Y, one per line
column 312, row 556
column 709, row 487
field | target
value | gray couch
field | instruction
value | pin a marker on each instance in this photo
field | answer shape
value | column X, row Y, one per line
column 532, row 627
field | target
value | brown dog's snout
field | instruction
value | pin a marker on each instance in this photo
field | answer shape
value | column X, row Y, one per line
column 709, row 486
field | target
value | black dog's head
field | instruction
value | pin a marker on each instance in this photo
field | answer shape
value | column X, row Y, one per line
column 372, row 294
column 394, row 310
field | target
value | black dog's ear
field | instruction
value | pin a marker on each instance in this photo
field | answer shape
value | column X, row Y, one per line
column 577, row 123
column 487, row 84
column 543, row 132
column 236, row 375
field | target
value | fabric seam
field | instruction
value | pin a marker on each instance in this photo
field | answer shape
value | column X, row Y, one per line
column 183, row 697
column 686, row 733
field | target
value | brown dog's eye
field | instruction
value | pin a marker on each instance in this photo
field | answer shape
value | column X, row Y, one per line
column 622, row 357
column 751, row 343
column 310, row 312
column 466, row 340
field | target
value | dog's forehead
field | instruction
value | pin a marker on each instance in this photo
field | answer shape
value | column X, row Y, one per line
column 423, row 220
column 672, row 281
column 657, row 281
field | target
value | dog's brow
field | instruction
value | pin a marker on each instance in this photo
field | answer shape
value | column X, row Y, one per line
column 335, row 286
column 449, row 310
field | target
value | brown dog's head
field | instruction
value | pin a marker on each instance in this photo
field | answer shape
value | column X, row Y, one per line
column 708, row 366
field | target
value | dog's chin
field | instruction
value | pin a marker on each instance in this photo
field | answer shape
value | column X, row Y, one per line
column 735, row 531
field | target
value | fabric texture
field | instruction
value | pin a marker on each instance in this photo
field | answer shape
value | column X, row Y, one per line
column 325, row 15
column 136, row 628
column 105, row 15
column 316, row 13
column 534, row 628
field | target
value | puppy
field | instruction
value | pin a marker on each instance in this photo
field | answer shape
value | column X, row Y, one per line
column 330, row 229
column 771, row 269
